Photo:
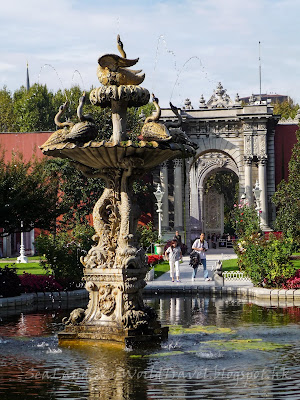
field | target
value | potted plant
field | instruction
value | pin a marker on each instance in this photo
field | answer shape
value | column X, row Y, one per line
column 159, row 246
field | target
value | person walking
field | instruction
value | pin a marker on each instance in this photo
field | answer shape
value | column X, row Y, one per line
column 200, row 245
column 174, row 255
column 177, row 237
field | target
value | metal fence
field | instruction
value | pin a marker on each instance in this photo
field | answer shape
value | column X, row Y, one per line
column 235, row 276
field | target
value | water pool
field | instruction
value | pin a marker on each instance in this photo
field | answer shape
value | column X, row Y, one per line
column 218, row 348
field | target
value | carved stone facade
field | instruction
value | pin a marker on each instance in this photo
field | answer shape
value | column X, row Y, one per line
column 229, row 137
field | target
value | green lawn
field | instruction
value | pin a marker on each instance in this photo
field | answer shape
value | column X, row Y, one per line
column 230, row 265
column 13, row 259
column 160, row 269
column 30, row 268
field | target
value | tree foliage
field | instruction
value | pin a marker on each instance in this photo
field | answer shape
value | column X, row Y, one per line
column 287, row 109
column 78, row 194
column 287, row 197
column 7, row 120
column 63, row 251
column 28, row 195
column 34, row 109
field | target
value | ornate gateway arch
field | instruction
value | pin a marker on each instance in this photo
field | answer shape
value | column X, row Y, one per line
column 230, row 136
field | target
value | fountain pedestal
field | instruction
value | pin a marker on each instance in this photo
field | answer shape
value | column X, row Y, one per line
column 116, row 311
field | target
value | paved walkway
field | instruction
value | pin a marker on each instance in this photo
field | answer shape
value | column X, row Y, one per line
column 164, row 281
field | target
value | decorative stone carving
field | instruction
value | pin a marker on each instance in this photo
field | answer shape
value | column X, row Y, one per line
column 75, row 317
column 107, row 302
column 248, row 146
column 188, row 105
column 213, row 211
column 255, row 145
column 220, row 98
column 202, row 103
column 248, row 160
column 263, row 159
column 262, row 146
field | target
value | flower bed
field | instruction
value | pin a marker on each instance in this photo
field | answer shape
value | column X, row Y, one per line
column 39, row 283
column 293, row 282
column 154, row 259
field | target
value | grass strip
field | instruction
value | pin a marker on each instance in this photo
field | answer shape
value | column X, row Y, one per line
column 160, row 269
column 29, row 268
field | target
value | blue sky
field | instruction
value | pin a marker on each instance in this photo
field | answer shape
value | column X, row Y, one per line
column 185, row 47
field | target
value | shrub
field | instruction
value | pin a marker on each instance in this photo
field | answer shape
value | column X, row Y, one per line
column 39, row 283
column 10, row 284
column 245, row 219
column 154, row 259
column 293, row 282
column 63, row 250
column 266, row 261
column 146, row 235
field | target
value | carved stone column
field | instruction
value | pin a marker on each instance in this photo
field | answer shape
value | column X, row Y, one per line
column 194, row 200
column 178, row 209
column 165, row 200
column 187, row 224
column 248, row 178
column 262, row 178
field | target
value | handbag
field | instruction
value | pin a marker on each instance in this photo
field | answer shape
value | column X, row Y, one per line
column 195, row 259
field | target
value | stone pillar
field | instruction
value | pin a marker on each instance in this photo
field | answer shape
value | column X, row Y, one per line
column 32, row 250
column 165, row 200
column 187, row 225
column 178, row 201
column 201, row 207
column 262, row 179
column 248, row 179
column 7, row 246
column 194, row 199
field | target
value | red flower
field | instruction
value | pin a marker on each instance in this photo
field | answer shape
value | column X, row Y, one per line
column 154, row 259
column 241, row 220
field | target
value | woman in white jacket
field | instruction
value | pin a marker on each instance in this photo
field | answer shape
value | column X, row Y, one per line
column 174, row 255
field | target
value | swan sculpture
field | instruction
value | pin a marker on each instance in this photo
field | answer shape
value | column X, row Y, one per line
column 152, row 130
column 82, row 132
column 112, row 69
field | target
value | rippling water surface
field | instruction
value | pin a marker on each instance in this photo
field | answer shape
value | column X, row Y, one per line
column 217, row 349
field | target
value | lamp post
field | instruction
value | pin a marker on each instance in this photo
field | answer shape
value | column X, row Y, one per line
column 257, row 192
column 159, row 194
column 243, row 199
column 22, row 258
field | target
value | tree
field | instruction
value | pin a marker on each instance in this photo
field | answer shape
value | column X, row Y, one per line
column 34, row 109
column 7, row 121
column 77, row 194
column 27, row 195
column 287, row 197
column 287, row 109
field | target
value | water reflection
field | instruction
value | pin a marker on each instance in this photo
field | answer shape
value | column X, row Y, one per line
column 189, row 365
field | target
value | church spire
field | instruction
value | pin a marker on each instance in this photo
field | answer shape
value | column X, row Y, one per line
column 27, row 79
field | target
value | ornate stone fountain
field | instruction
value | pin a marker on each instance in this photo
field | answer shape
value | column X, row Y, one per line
column 115, row 268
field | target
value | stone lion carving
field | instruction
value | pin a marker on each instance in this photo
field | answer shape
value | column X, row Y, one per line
column 75, row 317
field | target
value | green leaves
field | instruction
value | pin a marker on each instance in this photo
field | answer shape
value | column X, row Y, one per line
column 26, row 194
column 64, row 249
column 287, row 198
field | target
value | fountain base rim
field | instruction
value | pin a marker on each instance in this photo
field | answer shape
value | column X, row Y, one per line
column 126, row 337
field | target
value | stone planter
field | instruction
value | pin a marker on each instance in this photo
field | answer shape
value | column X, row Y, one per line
column 159, row 248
